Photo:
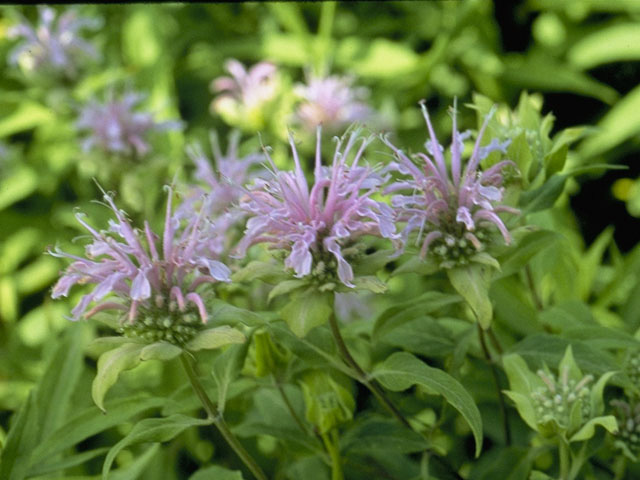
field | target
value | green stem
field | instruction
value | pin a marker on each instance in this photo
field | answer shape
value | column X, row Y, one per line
column 218, row 421
column 577, row 462
column 331, row 444
column 496, row 381
column 361, row 375
column 532, row 286
column 292, row 411
column 565, row 459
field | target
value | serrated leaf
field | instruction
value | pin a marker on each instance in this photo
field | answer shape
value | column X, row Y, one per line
column 110, row 365
column 472, row 283
column 152, row 430
column 402, row 370
column 286, row 286
column 217, row 337
column 307, row 310
column 219, row 473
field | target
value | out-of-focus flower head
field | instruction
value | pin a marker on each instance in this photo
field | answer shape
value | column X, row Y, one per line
column 318, row 226
column 219, row 189
column 451, row 211
column 243, row 95
column 332, row 102
column 154, row 280
column 115, row 127
column 627, row 415
column 55, row 45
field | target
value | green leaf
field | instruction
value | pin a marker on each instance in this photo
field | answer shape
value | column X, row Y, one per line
column 588, row 430
column 307, row 310
column 546, row 73
column 544, row 196
column 549, row 349
column 110, row 364
column 472, row 283
column 59, row 380
column 17, row 450
column 27, row 116
column 219, row 473
column 402, row 370
column 22, row 183
column 554, row 161
column 135, row 468
column 370, row 283
column 152, row 430
column 286, row 287
column 619, row 124
column 415, row 264
column 381, row 435
column 217, row 337
column 615, row 43
column 160, row 351
column 67, row 462
column 527, row 248
column 226, row 368
column 222, row 312
column 91, row 421
column 398, row 59
column 256, row 270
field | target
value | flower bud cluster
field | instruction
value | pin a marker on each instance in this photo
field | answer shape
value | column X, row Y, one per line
column 628, row 417
column 164, row 322
column 452, row 250
column 556, row 400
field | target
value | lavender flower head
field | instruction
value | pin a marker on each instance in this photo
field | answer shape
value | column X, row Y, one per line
column 55, row 44
column 331, row 102
column 318, row 226
column 153, row 280
column 115, row 127
column 219, row 190
column 451, row 208
column 246, row 91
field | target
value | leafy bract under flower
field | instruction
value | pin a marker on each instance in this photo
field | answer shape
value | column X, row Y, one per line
column 144, row 272
column 331, row 102
column 55, row 44
column 450, row 207
column 314, row 223
column 115, row 127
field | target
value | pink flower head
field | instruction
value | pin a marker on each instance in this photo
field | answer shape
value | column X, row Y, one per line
column 146, row 274
column 251, row 88
column 55, row 43
column 314, row 224
column 451, row 207
column 115, row 127
column 219, row 189
column 331, row 102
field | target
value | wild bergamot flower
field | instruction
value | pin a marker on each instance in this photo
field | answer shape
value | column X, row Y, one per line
column 153, row 281
column 115, row 127
column 452, row 207
column 55, row 45
column 318, row 226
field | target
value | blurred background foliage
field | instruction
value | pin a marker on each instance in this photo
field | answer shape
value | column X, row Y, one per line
column 579, row 59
